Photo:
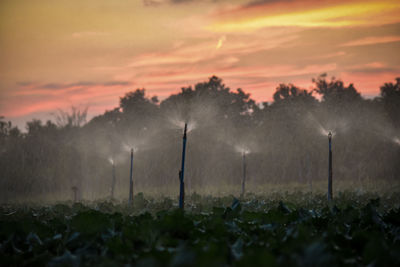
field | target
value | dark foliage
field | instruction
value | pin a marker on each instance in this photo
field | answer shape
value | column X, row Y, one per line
column 302, row 231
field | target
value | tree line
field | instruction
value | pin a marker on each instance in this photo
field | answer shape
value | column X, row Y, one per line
column 285, row 139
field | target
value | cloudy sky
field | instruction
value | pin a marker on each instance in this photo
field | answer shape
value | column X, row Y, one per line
column 54, row 54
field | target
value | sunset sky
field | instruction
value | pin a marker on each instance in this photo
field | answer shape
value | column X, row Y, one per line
column 54, row 54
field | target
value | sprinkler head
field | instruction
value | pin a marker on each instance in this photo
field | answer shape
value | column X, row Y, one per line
column 330, row 135
column 396, row 140
column 184, row 134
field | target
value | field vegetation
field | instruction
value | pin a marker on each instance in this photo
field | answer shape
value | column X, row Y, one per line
column 281, row 230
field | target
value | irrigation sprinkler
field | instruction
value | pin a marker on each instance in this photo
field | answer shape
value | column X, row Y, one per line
column 75, row 190
column 181, row 172
column 330, row 167
column 244, row 151
column 131, row 181
column 113, row 179
column 244, row 173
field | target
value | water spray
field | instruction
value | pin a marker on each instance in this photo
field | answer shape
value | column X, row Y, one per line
column 130, row 202
column 244, row 173
column 181, row 172
column 330, row 167
column 396, row 141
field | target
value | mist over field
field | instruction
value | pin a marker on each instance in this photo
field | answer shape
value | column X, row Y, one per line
column 285, row 143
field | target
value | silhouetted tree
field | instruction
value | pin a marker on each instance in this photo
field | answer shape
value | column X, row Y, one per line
column 73, row 118
column 390, row 97
column 334, row 92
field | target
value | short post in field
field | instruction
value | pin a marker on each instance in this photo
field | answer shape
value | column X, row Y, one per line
column 182, row 172
column 130, row 202
column 330, row 167
column 75, row 190
column 244, row 173
column 114, row 179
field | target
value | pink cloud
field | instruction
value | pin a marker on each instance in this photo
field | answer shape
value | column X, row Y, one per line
column 31, row 99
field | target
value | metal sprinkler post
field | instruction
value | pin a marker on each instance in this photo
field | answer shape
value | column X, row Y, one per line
column 75, row 190
column 131, row 180
column 244, row 173
column 113, row 180
column 181, row 173
column 330, row 168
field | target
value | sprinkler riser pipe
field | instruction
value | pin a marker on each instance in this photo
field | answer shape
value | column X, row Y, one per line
column 113, row 181
column 131, row 181
column 330, row 195
column 182, row 172
column 244, row 174
column 75, row 190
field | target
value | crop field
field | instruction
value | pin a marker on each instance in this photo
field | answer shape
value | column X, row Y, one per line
column 282, row 230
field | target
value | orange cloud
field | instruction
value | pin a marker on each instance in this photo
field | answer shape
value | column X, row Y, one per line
column 368, row 66
column 308, row 14
column 373, row 40
column 206, row 51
